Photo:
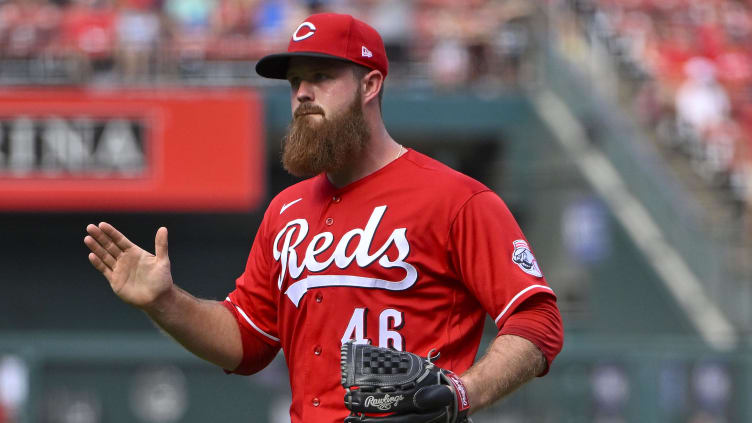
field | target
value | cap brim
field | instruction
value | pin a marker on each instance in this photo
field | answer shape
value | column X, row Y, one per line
column 275, row 65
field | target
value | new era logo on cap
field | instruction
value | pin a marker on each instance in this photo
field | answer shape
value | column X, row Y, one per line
column 329, row 35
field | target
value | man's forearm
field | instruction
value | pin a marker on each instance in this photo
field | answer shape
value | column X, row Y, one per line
column 205, row 328
column 509, row 362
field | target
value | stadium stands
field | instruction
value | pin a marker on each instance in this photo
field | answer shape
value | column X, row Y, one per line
column 694, row 66
column 631, row 354
column 446, row 43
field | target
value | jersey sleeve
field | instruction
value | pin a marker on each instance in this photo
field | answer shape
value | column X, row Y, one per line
column 492, row 257
column 253, row 300
column 538, row 320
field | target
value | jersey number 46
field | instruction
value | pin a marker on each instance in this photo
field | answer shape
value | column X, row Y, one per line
column 390, row 321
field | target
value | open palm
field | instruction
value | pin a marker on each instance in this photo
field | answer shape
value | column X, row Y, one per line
column 135, row 275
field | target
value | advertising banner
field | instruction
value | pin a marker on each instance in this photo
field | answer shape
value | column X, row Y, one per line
column 131, row 150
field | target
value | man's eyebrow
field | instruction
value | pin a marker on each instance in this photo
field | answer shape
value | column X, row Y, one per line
column 291, row 74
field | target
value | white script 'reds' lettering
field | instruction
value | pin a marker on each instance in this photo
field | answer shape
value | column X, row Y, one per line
column 293, row 234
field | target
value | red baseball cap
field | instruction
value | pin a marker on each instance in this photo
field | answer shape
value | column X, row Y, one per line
column 333, row 36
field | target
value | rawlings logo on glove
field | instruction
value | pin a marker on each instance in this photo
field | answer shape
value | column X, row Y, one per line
column 384, row 403
column 410, row 388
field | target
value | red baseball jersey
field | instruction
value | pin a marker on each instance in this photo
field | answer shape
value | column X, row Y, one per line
column 411, row 257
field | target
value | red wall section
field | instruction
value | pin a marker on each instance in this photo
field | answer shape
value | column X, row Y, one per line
column 131, row 150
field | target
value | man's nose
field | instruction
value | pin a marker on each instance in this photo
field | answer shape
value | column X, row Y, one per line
column 304, row 92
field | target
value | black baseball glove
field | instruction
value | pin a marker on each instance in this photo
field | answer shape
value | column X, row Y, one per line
column 388, row 386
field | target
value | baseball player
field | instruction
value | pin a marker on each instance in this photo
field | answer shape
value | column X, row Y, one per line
column 374, row 275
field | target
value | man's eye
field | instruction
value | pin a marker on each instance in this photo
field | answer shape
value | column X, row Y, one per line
column 294, row 82
column 320, row 77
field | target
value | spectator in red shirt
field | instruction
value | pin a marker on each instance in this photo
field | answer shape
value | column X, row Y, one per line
column 89, row 34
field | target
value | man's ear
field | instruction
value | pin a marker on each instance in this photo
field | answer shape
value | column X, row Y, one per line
column 370, row 85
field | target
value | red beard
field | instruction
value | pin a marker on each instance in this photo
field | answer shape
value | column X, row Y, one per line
column 327, row 145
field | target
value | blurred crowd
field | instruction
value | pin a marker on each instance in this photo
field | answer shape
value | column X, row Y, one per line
column 695, row 60
column 448, row 43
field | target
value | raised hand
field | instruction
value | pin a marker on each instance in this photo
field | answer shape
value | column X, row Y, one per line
column 136, row 276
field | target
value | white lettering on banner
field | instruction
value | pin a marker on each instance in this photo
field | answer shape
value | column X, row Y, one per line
column 293, row 234
column 72, row 146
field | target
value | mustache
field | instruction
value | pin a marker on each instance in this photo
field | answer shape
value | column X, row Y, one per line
column 307, row 109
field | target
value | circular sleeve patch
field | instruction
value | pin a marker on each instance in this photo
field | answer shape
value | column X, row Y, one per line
column 525, row 259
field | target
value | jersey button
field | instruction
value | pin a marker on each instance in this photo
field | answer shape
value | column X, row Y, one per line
column 319, row 298
column 317, row 350
column 329, row 221
column 336, row 199
column 316, row 402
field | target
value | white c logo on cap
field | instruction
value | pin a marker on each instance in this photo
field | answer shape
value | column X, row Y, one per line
column 296, row 37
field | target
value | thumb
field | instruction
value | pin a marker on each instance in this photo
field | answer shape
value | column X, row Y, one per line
column 434, row 396
column 160, row 244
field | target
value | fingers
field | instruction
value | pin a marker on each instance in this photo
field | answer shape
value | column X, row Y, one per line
column 99, row 252
column 99, row 265
column 107, row 243
column 104, row 240
column 160, row 244
column 115, row 236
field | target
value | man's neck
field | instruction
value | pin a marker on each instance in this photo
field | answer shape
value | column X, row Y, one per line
column 380, row 150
